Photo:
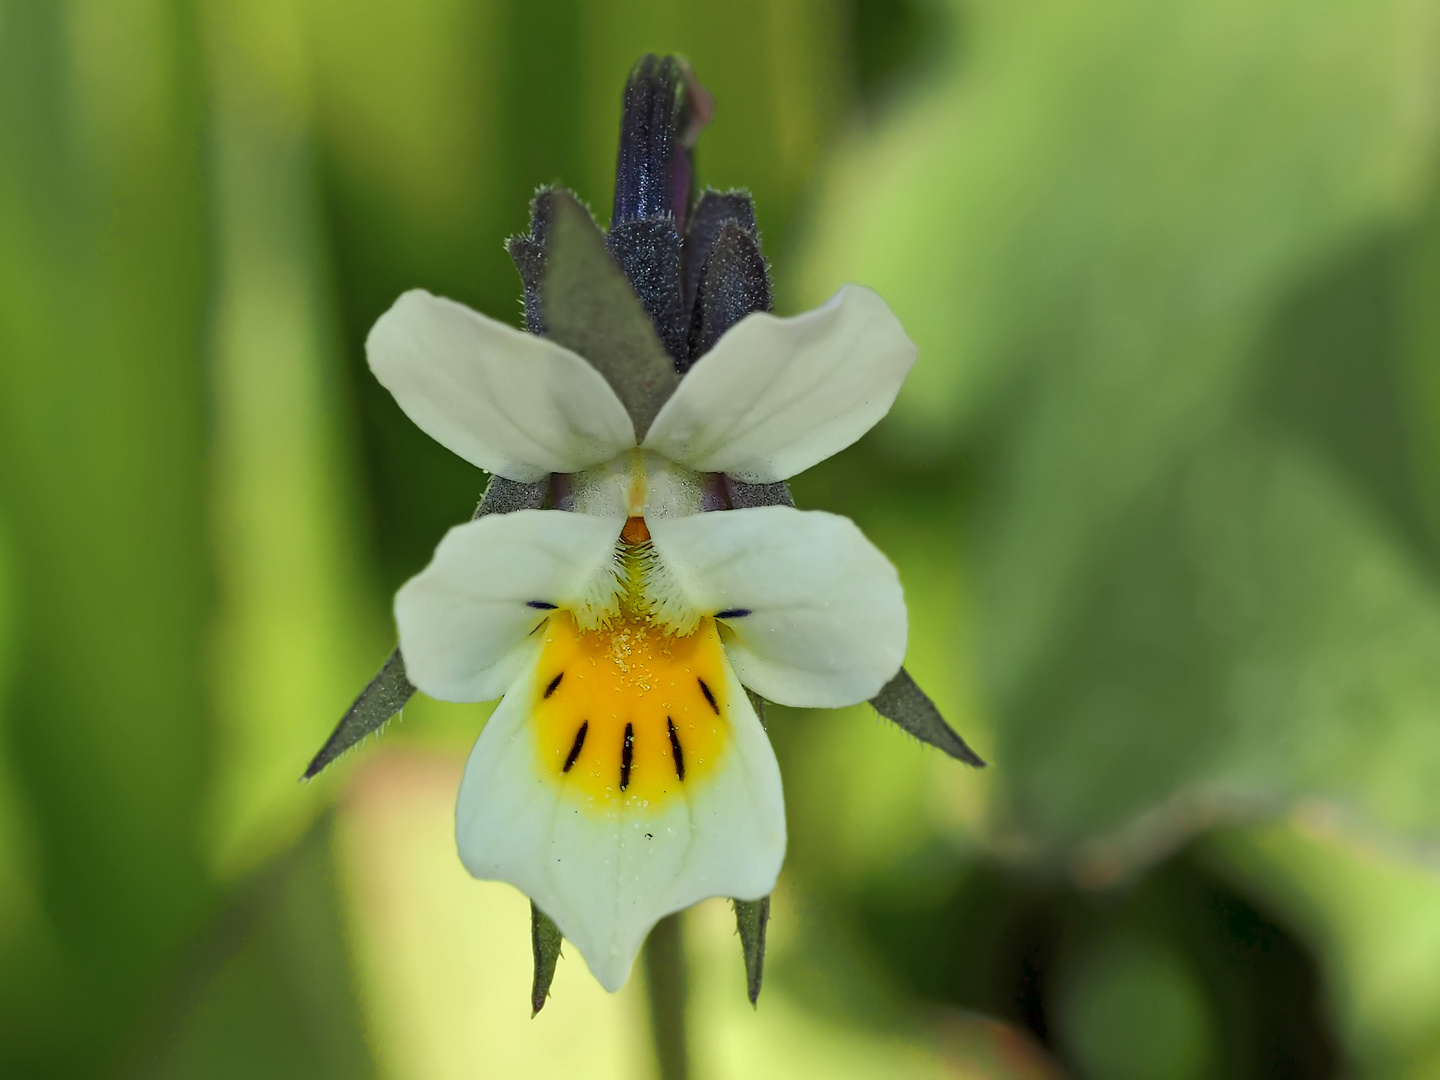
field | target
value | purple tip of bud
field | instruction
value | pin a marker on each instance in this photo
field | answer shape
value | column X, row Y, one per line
column 664, row 109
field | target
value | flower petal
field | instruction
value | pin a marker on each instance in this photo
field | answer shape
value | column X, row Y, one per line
column 607, row 874
column 465, row 619
column 777, row 395
column 814, row 612
column 509, row 402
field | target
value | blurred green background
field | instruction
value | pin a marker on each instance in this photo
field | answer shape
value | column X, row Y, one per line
column 1164, row 490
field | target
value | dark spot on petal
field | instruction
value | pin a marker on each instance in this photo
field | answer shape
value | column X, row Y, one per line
column 553, row 684
column 540, row 605
column 733, row 613
column 708, row 696
column 675, row 751
column 575, row 749
column 627, row 754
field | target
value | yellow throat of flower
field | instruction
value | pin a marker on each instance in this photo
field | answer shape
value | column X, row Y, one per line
column 629, row 714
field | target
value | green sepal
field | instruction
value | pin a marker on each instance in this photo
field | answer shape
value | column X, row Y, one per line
column 590, row 308
column 386, row 694
column 903, row 702
column 751, row 918
column 758, row 704
column 545, row 942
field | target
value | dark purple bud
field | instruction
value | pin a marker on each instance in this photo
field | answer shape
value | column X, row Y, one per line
column 664, row 110
column 713, row 210
column 733, row 282
column 648, row 250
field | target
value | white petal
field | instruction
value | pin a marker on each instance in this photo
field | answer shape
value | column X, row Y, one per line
column 465, row 620
column 511, row 403
column 824, row 620
column 606, row 878
column 777, row 395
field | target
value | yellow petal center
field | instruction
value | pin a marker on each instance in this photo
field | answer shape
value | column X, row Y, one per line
column 628, row 715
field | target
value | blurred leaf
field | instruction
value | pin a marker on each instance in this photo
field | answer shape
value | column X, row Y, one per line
column 1374, row 920
column 17, row 884
column 1257, row 638
column 266, row 990
column 295, row 626
column 1191, row 599
column 1132, row 1009
column 1086, row 223
column 103, row 257
column 416, row 164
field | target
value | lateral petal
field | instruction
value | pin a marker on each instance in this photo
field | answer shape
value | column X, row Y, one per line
column 465, row 620
column 508, row 402
column 606, row 870
column 775, row 396
column 814, row 613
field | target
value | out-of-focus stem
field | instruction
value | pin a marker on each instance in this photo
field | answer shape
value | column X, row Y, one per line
column 666, row 979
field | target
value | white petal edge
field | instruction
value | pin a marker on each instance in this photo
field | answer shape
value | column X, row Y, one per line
column 506, row 401
column 606, row 881
column 775, row 396
column 827, row 624
column 465, row 620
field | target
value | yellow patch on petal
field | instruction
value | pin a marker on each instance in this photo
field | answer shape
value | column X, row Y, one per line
column 628, row 715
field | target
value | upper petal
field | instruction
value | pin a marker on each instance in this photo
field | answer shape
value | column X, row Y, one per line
column 814, row 611
column 512, row 403
column 777, row 395
column 465, row 619
column 607, row 873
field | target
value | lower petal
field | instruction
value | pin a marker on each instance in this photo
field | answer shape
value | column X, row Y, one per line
column 608, row 856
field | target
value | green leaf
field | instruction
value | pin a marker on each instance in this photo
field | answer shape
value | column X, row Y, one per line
column 903, row 702
column 545, row 942
column 590, row 308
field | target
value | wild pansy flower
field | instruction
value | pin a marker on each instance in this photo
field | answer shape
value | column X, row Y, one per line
column 637, row 581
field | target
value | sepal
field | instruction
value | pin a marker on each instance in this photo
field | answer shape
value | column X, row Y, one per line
column 545, row 942
column 386, row 694
column 590, row 308
column 383, row 697
column 751, row 919
column 528, row 252
column 904, row 703
column 744, row 496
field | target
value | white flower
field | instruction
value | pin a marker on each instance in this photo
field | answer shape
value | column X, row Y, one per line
column 625, row 774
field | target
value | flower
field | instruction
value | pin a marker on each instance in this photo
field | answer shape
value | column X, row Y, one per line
column 626, row 774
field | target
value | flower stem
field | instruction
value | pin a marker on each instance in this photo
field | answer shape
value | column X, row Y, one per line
column 666, row 977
